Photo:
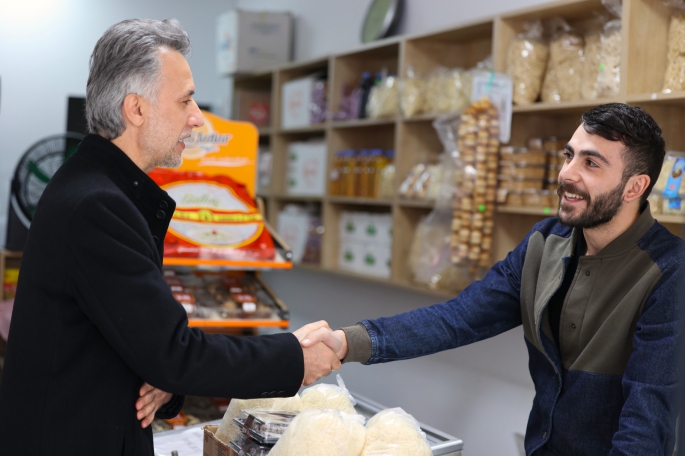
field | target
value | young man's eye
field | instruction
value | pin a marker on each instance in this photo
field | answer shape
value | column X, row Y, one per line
column 591, row 164
column 568, row 155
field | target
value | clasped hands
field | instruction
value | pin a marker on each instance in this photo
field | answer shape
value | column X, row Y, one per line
column 323, row 350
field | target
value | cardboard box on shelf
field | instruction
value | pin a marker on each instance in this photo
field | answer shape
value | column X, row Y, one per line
column 293, row 227
column 350, row 255
column 306, row 168
column 253, row 106
column 211, row 445
column 252, row 41
column 377, row 229
column 296, row 100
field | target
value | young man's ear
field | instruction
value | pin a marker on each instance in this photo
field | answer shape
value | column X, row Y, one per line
column 635, row 187
column 133, row 110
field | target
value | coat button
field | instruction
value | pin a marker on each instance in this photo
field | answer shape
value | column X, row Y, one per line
column 544, row 435
column 156, row 239
column 135, row 183
column 161, row 214
column 163, row 204
column 587, row 273
column 573, row 326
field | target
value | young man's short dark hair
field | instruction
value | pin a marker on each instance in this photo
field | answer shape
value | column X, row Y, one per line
column 645, row 148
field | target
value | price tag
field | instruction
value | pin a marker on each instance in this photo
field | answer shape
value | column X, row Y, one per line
column 498, row 87
column 249, row 307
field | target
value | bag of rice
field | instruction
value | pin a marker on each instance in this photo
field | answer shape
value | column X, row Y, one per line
column 227, row 431
column 326, row 396
column 393, row 432
column 322, row 433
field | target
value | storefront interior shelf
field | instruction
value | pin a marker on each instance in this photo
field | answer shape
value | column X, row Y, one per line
column 414, row 140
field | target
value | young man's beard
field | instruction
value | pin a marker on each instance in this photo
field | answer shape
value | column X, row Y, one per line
column 599, row 210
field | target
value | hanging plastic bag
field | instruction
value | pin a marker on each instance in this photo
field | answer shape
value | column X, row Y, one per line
column 565, row 65
column 592, row 58
column 446, row 91
column 384, row 99
column 327, row 396
column 412, row 93
column 674, row 77
column 526, row 63
column 609, row 78
column 322, row 433
column 393, row 432
column 227, row 430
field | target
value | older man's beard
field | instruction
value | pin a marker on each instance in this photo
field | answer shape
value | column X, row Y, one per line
column 599, row 210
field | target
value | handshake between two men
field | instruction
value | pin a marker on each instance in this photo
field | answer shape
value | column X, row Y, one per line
column 323, row 350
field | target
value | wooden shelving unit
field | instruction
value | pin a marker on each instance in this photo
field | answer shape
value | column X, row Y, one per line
column 645, row 28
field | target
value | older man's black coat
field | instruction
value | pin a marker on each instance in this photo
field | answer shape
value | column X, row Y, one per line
column 93, row 319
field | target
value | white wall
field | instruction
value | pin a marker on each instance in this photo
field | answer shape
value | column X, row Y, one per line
column 45, row 46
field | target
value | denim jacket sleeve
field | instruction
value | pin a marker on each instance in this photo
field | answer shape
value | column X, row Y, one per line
column 484, row 309
column 650, row 382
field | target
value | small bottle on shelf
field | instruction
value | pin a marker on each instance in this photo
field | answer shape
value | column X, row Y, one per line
column 365, row 84
column 388, row 176
column 377, row 163
column 361, row 171
column 347, row 165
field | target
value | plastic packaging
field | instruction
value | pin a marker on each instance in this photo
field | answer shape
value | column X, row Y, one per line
column 327, row 396
column 365, row 85
column 674, row 77
column 388, row 176
column 524, row 171
column 447, row 91
column 384, row 100
column 318, row 107
column 227, row 430
column 393, row 432
column 564, row 71
column 322, row 433
column 592, row 58
column 412, row 94
column 609, row 78
column 347, row 183
column 243, row 446
column 361, row 166
column 526, row 63
column 266, row 427
column 669, row 186
column 377, row 164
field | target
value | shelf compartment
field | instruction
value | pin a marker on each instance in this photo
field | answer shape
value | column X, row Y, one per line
column 348, row 68
column 455, row 48
column 564, row 107
column 353, row 200
column 311, row 129
column 289, row 73
column 361, row 123
column 417, row 203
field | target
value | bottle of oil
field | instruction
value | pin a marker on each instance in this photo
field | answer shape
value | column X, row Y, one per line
column 388, row 176
column 348, row 173
column 377, row 163
column 361, row 173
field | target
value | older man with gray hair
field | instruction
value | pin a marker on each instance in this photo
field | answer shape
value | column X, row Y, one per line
column 99, row 346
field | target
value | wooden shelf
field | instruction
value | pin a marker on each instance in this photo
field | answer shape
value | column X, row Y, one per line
column 320, row 128
column 300, row 198
column 355, row 123
column 359, row 201
column 426, row 204
column 422, row 118
column 525, row 210
column 670, row 218
column 564, row 106
column 658, row 98
column 265, row 131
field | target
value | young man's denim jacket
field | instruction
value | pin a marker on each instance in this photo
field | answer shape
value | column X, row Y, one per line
column 611, row 389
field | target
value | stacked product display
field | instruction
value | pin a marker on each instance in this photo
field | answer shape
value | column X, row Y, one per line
column 366, row 173
column 422, row 182
column 668, row 192
column 304, row 102
column 365, row 243
column 529, row 175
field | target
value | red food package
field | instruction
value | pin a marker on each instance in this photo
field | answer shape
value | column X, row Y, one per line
column 215, row 218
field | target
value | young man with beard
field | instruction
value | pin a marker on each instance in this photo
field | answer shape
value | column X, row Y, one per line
column 596, row 290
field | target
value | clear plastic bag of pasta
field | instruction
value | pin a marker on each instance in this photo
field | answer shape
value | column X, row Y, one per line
column 609, row 78
column 592, row 60
column 563, row 75
column 322, row 433
column 447, row 91
column 394, row 432
column 327, row 396
column 384, row 99
column 526, row 63
column 674, row 77
column 412, row 93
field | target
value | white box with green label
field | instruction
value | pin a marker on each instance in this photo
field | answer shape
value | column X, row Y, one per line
column 350, row 255
column 306, row 175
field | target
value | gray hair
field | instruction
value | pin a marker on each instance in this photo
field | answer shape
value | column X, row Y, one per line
column 126, row 60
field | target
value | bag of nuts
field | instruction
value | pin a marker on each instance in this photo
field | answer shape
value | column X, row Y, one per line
column 564, row 68
column 674, row 78
column 526, row 63
column 609, row 78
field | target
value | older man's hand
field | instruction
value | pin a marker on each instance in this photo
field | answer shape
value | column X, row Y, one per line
column 151, row 399
column 319, row 358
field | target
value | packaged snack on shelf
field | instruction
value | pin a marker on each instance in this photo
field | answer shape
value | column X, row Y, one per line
column 227, row 430
column 518, row 183
column 266, row 427
column 526, row 63
column 592, row 59
column 669, row 186
column 447, row 91
column 553, row 144
column 215, row 217
column 9, row 284
column 609, row 78
column 412, row 93
column 523, row 156
column 327, row 396
column 566, row 49
column 536, row 198
column 394, row 432
column 553, row 172
column 384, row 99
column 318, row 108
column 552, row 185
column 522, row 170
column 242, row 445
column 674, row 77
column 322, row 433
column 388, row 176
